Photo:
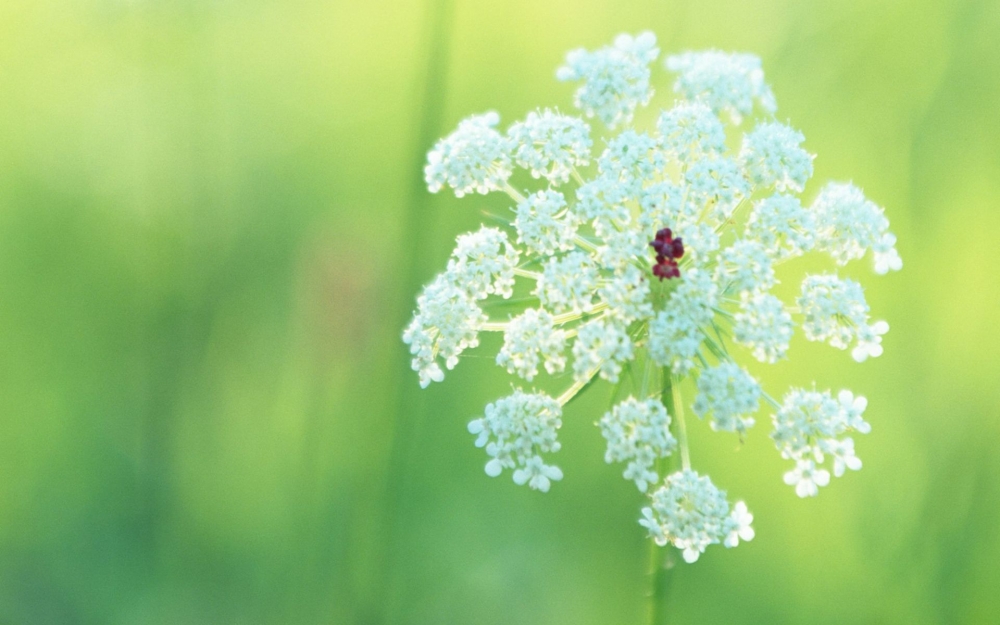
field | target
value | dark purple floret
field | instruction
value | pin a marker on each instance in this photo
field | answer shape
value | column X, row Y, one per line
column 668, row 250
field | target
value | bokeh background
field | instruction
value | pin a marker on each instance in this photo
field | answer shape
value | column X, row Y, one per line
column 212, row 230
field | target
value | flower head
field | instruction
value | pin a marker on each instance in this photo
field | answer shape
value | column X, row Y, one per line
column 691, row 129
column 446, row 323
column 848, row 224
column 836, row 312
column 615, row 78
column 532, row 337
column 543, row 224
column 729, row 83
column 473, row 158
column 773, row 157
column 729, row 395
column 638, row 432
column 646, row 259
column 808, row 427
column 689, row 512
column 515, row 431
column 550, row 145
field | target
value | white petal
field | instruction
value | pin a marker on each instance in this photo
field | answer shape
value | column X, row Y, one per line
column 493, row 468
column 821, row 477
column 521, row 476
column 806, row 488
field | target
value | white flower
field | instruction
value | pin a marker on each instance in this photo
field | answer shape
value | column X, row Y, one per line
column 550, row 145
column 621, row 247
column 809, row 426
column 601, row 344
column 729, row 395
column 763, row 325
column 740, row 521
column 886, row 257
column 848, row 224
column 836, row 312
column 843, row 456
column 806, row 417
column 691, row 129
column 602, row 202
column 745, row 267
column 638, row 432
column 869, row 341
column 728, row 83
column 806, row 478
column 652, row 525
column 675, row 334
column 691, row 513
column 530, row 338
column 772, row 155
column 515, row 431
column 543, row 224
column 483, row 263
column 632, row 159
column 782, row 225
column 473, row 158
column 615, row 78
column 537, row 474
column 665, row 254
column 568, row 283
column 663, row 203
column 853, row 409
column 717, row 182
column 446, row 323
column 700, row 240
column 627, row 295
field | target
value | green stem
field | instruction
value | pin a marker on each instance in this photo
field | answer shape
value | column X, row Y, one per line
column 682, row 433
column 657, row 583
column 577, row 386
column 586, row 245
column 660, row 564
column 513, row 193
column 524, row 273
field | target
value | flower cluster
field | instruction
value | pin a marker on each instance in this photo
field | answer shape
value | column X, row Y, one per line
column 515, row 431
column 639, row 432
column 648, row 262
column 806, row 428
column 691, row 513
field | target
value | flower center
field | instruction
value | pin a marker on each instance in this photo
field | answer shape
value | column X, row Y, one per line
column 668, row 250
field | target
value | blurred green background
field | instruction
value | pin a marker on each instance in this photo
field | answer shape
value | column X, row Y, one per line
column 212, row 231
